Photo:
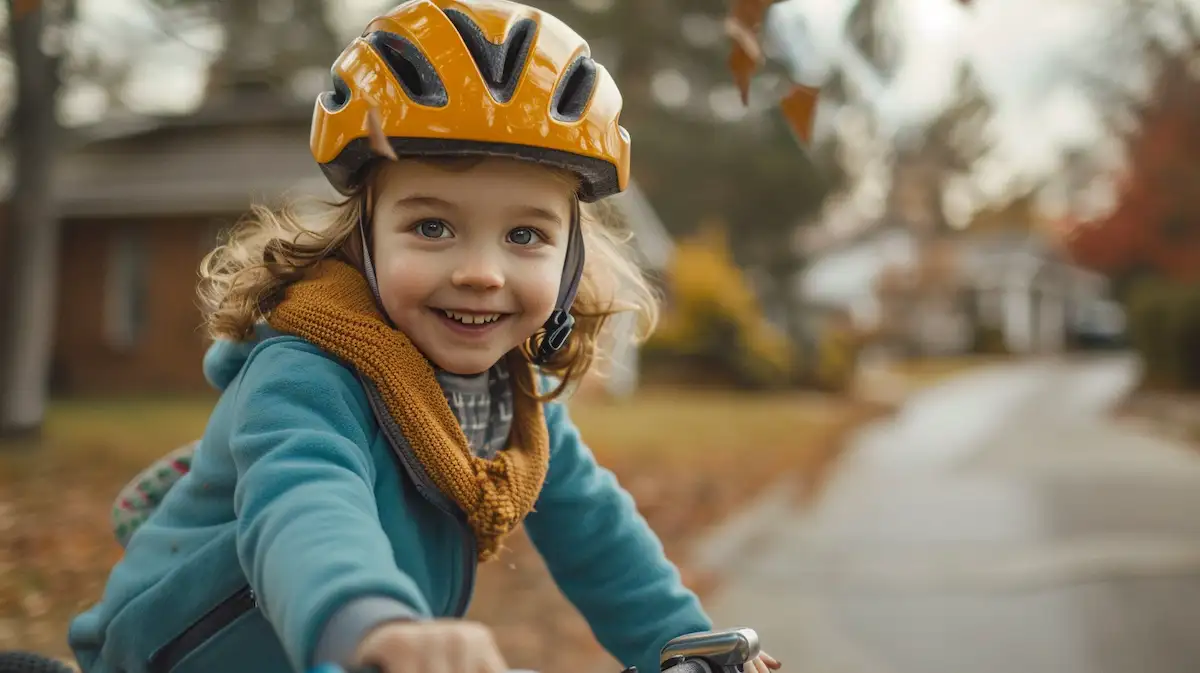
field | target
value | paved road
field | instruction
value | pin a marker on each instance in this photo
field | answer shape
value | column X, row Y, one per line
column 1000, row 524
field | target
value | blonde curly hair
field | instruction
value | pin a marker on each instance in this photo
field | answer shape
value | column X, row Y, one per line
column 248, row 272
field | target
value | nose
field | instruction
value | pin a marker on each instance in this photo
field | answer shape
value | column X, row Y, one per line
column 479, row 270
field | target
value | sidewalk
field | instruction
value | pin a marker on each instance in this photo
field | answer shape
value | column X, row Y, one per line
column 999, row 524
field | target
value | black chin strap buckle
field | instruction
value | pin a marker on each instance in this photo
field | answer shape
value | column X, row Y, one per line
column 557, row 331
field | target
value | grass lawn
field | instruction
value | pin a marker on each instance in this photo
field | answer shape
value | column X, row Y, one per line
column 688, row 457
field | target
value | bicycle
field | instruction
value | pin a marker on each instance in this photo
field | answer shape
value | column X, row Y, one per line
column 707, row 652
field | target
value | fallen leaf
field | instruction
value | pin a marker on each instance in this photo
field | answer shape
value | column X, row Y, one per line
column 35, row 604
column 799, row 107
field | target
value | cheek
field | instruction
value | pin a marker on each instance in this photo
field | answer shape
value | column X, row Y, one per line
column 402, row 279
column 538, row 286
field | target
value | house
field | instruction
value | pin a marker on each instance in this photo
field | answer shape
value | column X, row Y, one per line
column 919, row 299
column 141, row 205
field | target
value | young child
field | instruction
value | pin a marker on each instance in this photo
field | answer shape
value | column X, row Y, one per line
column 385, row 418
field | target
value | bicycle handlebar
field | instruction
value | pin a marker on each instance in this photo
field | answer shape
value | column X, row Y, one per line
column 688, row 666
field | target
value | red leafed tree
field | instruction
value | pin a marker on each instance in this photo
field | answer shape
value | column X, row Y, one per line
column 1156, row 223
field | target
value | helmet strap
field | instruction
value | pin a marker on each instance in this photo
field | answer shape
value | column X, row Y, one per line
column 557, row 330
column 364, row 235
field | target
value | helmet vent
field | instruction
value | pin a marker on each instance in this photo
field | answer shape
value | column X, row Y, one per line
column 575, row 90
column 336, row 100
column 499, row 64
column 411, row 68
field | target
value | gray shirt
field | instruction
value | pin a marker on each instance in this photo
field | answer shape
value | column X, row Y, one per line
column 483, row 405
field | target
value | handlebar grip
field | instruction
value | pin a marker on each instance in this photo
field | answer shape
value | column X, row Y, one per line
column 372, row 668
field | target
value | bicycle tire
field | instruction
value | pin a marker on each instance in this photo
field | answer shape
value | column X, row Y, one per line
column 30, row 662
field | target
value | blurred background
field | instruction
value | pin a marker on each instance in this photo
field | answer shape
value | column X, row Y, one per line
column 932, row 280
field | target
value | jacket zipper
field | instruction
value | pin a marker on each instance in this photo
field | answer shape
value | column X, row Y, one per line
column 200, row 631
column 457, row 606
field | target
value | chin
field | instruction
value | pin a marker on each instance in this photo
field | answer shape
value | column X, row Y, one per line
column 465, row 366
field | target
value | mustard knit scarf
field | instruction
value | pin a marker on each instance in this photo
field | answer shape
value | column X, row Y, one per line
column 334, row 309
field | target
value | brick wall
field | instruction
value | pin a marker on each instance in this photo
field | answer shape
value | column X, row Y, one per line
column 165, row 354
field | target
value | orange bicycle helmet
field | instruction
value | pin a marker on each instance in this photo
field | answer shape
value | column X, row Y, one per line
column 473, row 77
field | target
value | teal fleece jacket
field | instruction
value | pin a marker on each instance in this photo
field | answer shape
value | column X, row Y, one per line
column 299, row 527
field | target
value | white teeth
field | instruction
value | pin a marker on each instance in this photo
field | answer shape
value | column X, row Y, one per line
column 472, row 319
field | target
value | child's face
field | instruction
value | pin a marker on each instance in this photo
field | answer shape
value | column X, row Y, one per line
column 469, row 261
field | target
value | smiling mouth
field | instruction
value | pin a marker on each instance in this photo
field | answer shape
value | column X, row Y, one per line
column 470, row 319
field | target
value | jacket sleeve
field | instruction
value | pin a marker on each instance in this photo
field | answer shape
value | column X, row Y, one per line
column 604, row 556
column 309, row 536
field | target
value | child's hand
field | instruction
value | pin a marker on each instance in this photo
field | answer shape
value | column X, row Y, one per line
column 763, row 663
column 440, row 646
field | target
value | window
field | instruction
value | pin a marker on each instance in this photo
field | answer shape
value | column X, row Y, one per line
column 125, row 289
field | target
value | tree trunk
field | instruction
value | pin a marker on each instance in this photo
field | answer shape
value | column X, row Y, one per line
column 30, row 266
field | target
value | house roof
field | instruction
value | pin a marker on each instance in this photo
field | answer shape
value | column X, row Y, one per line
column 219, row 159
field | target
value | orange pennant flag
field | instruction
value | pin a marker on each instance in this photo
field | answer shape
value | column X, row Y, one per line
column 742, row 26
column 799, row 108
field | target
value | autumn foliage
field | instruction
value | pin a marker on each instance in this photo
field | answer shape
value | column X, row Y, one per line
column 714, row 322
column 1156, row 223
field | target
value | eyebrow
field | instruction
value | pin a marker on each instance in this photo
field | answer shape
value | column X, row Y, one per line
column 423, row 200
column 419, row 200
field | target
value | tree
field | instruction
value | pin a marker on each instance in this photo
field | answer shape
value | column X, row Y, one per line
column 30, row 267
column 931, row 161
column 1155, row 224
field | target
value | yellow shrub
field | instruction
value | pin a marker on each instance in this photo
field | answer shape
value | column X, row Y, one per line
column 713, row 315
column 837, row 356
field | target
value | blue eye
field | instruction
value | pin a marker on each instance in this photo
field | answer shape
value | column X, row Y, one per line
column 431, row 229
column 523, row 236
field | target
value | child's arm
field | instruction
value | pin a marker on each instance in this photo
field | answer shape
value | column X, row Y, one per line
column 309, row 537
column 604, row 556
